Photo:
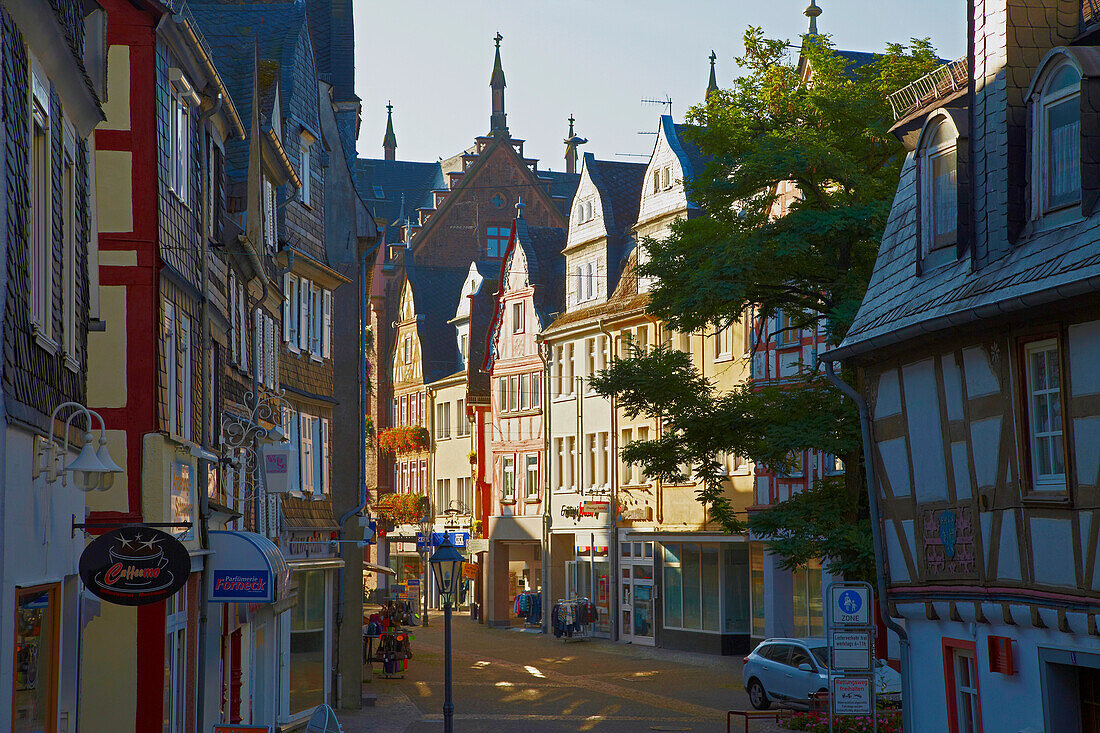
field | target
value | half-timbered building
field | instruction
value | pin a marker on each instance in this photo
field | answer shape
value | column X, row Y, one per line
column 976, row 345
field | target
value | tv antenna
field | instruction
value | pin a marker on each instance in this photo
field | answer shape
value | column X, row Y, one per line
column 666, row 102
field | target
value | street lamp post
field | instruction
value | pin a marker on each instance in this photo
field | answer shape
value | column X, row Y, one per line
column 427, row 524
column 447, row 568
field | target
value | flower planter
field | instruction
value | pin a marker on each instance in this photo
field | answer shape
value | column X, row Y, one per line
column 403, row 439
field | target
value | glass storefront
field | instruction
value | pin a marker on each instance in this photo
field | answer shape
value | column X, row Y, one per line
column 807, row 600
column 307, row 642
column 756, row 575
column 35, row 688
column 589, row 576
column 706, row 587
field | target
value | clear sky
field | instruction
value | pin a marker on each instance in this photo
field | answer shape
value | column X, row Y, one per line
column 595, row 59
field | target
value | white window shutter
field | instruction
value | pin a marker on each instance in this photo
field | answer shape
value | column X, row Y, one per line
column 235, row 349
column 305, row 455
column 242, row 323
column 326, row 332
column 258, row 331
column 325, row 487
column 295, row 440
column 287, row 310
column 274, row 359
column 303, row 314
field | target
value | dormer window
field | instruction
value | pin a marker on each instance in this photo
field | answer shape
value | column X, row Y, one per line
column 939, row 188
column 1057, row 146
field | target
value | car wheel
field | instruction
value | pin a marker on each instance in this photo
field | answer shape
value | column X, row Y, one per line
column 757, row 697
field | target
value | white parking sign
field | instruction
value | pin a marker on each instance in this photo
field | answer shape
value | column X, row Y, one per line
column 852, row 606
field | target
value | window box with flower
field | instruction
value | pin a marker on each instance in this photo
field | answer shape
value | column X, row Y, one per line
column 404, row 439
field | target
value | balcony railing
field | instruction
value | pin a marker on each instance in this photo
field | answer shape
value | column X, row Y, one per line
column 934, row 85
column 1090, row 13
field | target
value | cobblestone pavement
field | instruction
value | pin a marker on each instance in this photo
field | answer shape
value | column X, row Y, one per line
column 506, row 680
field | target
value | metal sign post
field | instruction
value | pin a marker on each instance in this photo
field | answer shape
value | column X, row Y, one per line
column 850, row 630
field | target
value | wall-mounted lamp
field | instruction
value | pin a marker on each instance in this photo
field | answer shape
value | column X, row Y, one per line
column 93, row 469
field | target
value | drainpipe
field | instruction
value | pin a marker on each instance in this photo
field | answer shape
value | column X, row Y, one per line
column 543, row 349
column 613, row 480
column 876, row 538
column 204, row 420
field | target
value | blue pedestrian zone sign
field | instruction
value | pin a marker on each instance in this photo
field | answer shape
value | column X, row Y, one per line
column 851, row 607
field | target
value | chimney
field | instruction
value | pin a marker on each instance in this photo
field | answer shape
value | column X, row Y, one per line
column 498, row 121
column 389, row 142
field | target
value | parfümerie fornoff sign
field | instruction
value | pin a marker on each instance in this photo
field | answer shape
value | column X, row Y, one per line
column 134, row 566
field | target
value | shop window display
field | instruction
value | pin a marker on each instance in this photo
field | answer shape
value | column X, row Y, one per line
column 35, row 688
column 307, row 642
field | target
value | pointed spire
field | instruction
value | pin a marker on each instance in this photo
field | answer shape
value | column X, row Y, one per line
column 572, row 140
column 712, row 87
column 389, row 142
column 498, row 120
column 811, row 12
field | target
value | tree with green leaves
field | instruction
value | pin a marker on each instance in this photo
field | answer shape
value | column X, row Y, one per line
column 822, row 124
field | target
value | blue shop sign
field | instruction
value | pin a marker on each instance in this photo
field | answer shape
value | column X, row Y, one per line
column 240, row 586
column 458, row 539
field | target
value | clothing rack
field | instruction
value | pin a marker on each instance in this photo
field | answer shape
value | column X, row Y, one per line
column 528, row 606
column 571, row 619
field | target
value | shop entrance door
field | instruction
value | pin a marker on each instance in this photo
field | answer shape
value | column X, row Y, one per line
column 637, row 604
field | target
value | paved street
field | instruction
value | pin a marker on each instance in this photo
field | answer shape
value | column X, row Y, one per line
column 509, row 679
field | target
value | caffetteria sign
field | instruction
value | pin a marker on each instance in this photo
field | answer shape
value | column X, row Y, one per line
column 134, row 566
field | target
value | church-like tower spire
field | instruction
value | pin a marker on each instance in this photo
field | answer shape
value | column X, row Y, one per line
column 389, row 142
column 572, row 140
column 712, row 87
column 811, row 12
column 498, row 121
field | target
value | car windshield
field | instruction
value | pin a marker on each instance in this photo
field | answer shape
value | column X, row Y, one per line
column 821, row 654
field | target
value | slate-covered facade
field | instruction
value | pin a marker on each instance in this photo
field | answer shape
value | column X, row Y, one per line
column 51, row 86
column 976, row 346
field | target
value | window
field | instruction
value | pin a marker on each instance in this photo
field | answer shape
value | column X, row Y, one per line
column 442, row 491
column 171, row 369
column 536, row 391
column 831, row 465
column 464, row 350
column 656, row 181
column 462, row 425
column 291, row 304
column 666, row 177
column 524, row 392
column 691, row 582
column 723, row 343
column 590, row 356
column 1058, row 149
column 308, row 659
column 270, row 213
column 443, row 420
column 570, row 464
column 964, row 713
column 179, row 153
column 590, row 461
column 590, row 281
column 69, row 318
column 508, row 478
column 517, row 317
column 939, row 189
column 532, row 477
column 176, row 673
column 316, row 321
column 187, row 391
column 748, row 333
column 806, row 599
column 624, row 467
column 37, row 645
column 786, row 332
column 643, row 436
column 1046, row 450
column 756, row 584
column 41, row 250
column 306, row 450
column 496, row 241
column 305, row 168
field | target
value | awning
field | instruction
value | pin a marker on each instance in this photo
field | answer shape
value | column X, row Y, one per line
column 686, row 536
column 317, row 563
column 247, row 568
column 370, row 567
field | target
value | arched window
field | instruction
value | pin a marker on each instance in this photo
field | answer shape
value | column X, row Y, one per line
column 1057, row 141
column 939, row 184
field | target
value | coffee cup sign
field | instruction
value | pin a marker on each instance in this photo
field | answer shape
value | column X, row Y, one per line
column 134, row 566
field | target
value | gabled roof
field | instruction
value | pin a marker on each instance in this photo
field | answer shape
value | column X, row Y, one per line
column 624, row 299
column 542, row 250
column 482, row 308
column 619, row 185
column 435, row 294
column 690, row 155
column 900, row 305
column 394, row 179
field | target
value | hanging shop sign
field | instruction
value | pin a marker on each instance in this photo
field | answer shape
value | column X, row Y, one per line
column 470, row 570
column 134, row 566
column 478, row 545
column 280, row 466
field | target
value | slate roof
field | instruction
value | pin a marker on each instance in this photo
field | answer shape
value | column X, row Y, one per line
column 482, row 308
column 620, row 187
column 626, row 298
column 251, row 41
column 1051, row 265
column 691, row 151
column 307, row 513
column 436, row 291
column 546, row 267
column 396, row 178
column 562, row 185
